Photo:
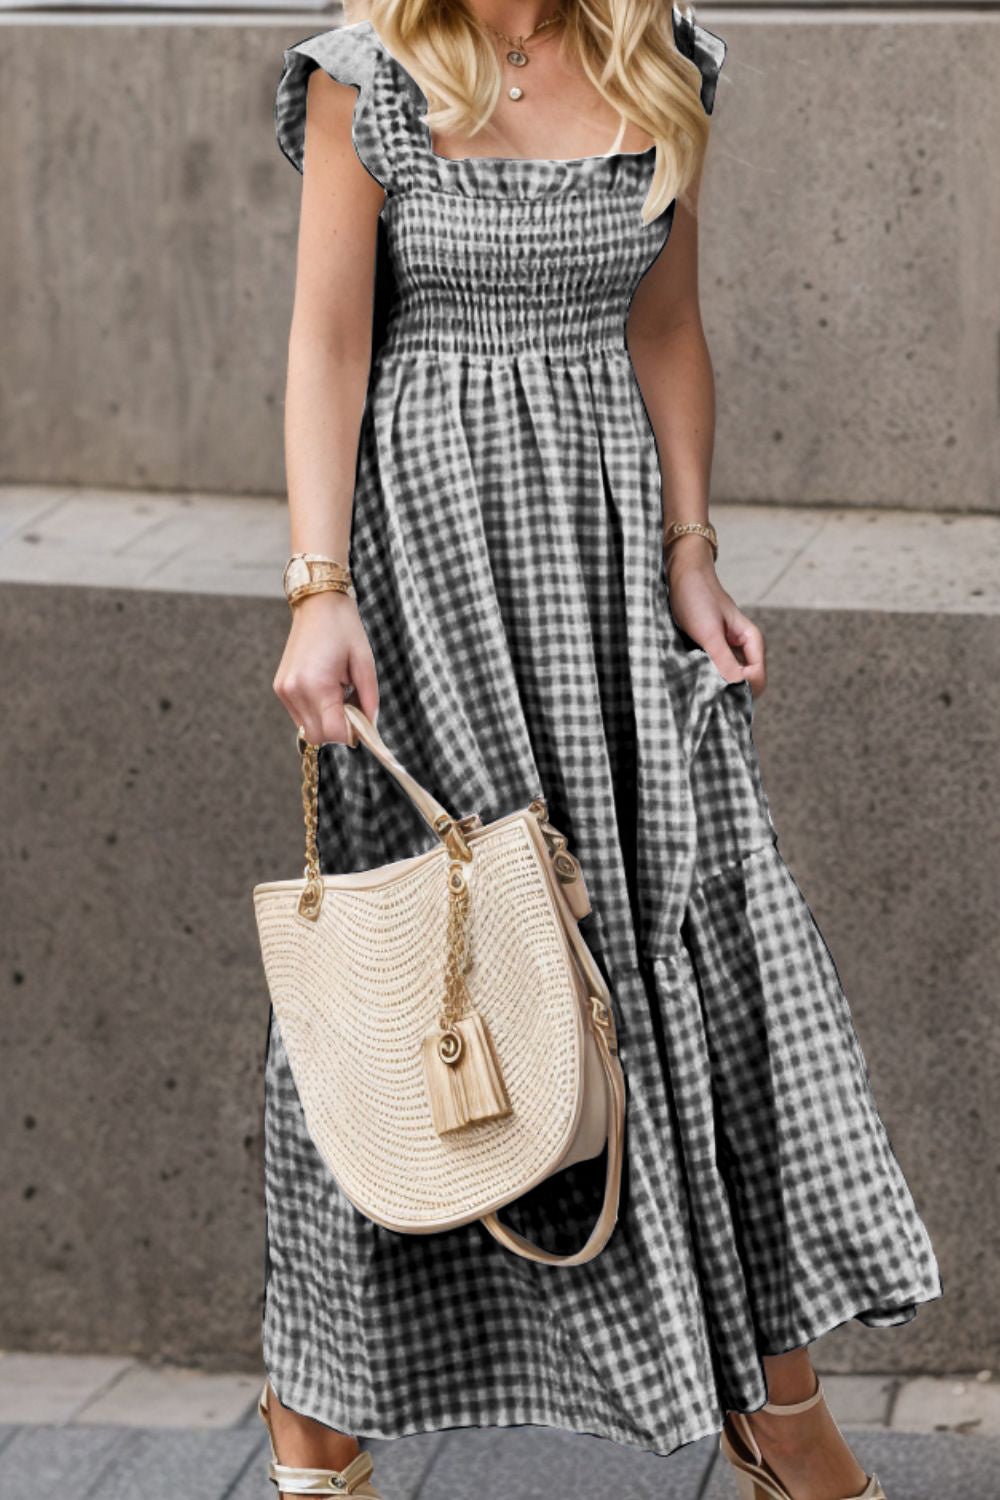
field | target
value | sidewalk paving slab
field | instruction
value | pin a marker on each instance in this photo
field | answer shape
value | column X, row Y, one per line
column 23, row 505
column 53, row 1387
column 920, row 561
column 911, row 1466
column 147, row 1396
column 34, row 1460
column 784, row 556
column 115, row 1463
column 860, row 1400
column 252, row 1482
column 401, row 1469
column 928, row 1404
column 526, row 1463
column 541, row 1463
column 402, row 1465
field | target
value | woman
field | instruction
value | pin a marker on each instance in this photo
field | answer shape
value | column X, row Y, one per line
column 522, row 498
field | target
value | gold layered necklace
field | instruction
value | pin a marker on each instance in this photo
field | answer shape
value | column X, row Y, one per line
column 517, row 54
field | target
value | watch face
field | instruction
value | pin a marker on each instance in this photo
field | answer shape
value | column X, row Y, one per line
column 296, row 573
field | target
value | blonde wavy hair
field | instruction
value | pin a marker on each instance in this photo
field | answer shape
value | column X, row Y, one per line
column 625, row 47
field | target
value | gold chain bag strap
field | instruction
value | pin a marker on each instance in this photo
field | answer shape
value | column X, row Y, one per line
column 449, row 1033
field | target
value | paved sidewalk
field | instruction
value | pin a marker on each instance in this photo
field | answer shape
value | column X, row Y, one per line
column 791, row 557
column 97, row 1426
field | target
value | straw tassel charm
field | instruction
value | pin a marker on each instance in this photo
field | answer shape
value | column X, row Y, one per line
column 471, row 1088
column 462, row 1070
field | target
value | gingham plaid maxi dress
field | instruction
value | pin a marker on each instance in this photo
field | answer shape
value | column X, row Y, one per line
column 506, row 549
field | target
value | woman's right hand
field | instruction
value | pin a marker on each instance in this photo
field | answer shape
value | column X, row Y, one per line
column 327, row 651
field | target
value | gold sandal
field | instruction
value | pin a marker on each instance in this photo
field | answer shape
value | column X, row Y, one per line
column 350, row 1481
column 755, row 1480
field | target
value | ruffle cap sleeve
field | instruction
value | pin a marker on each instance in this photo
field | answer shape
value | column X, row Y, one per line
column 702, row 47
column 349, row 54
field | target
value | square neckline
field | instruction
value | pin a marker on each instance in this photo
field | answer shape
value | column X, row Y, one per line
column 461, row 161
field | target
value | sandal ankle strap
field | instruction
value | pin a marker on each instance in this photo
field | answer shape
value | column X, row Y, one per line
column 797, row 1406
column 740, row 1422
column 292, row 1481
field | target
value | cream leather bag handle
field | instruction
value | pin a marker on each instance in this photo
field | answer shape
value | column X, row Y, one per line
column 447, row 828
column 451, row 832
column 444, row 825
column 608, row 1216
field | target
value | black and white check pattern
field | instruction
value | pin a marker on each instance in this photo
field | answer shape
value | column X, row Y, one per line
column 507, row 555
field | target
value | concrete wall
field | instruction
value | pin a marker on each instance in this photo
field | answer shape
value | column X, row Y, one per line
column 141, row 800
column 850, row 225
column 133, row 827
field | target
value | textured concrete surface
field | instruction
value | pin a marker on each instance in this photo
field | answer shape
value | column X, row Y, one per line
column 101, row 1390
column 151, row 780
column 136, row 1011
column 491, row 1463
column 807, row 557
column 43, row 1388
column 848, row 287
column 61, row 1390
column 848, row 232
column 122, row 539
column 145, row 1397
column 221, row 1455
column 117, row 1464
column 910, row 1468
column 860, row 1400
column 951, row 1406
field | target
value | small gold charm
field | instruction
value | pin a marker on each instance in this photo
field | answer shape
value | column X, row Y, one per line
column 450, row 1046
column 517, row 58
column 311, row 899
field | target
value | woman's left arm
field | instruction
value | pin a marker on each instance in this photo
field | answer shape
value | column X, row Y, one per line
column 674, row 369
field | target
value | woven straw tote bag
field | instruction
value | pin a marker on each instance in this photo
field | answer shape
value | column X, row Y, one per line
column 450, row 1035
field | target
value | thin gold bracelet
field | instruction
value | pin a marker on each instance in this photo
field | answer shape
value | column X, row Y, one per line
column 692, row 528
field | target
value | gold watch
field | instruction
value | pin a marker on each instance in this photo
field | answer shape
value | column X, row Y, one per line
column 312, row 573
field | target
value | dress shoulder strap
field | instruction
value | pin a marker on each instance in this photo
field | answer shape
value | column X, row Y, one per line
column 349, row 54
column 702, row 47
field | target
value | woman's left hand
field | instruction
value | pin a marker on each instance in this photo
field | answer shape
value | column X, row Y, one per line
column 705, row 612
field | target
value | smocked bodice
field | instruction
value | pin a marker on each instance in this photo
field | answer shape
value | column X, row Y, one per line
column 541, row 273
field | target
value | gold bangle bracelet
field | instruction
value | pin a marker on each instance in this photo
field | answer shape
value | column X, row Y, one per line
column 692, row 528
column 321, row 586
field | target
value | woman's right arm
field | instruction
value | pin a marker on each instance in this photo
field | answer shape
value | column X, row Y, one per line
column 329, row 359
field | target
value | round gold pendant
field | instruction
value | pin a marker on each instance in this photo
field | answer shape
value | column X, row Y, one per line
column 517, row 58
column 449, row 1047
column 516, row 93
